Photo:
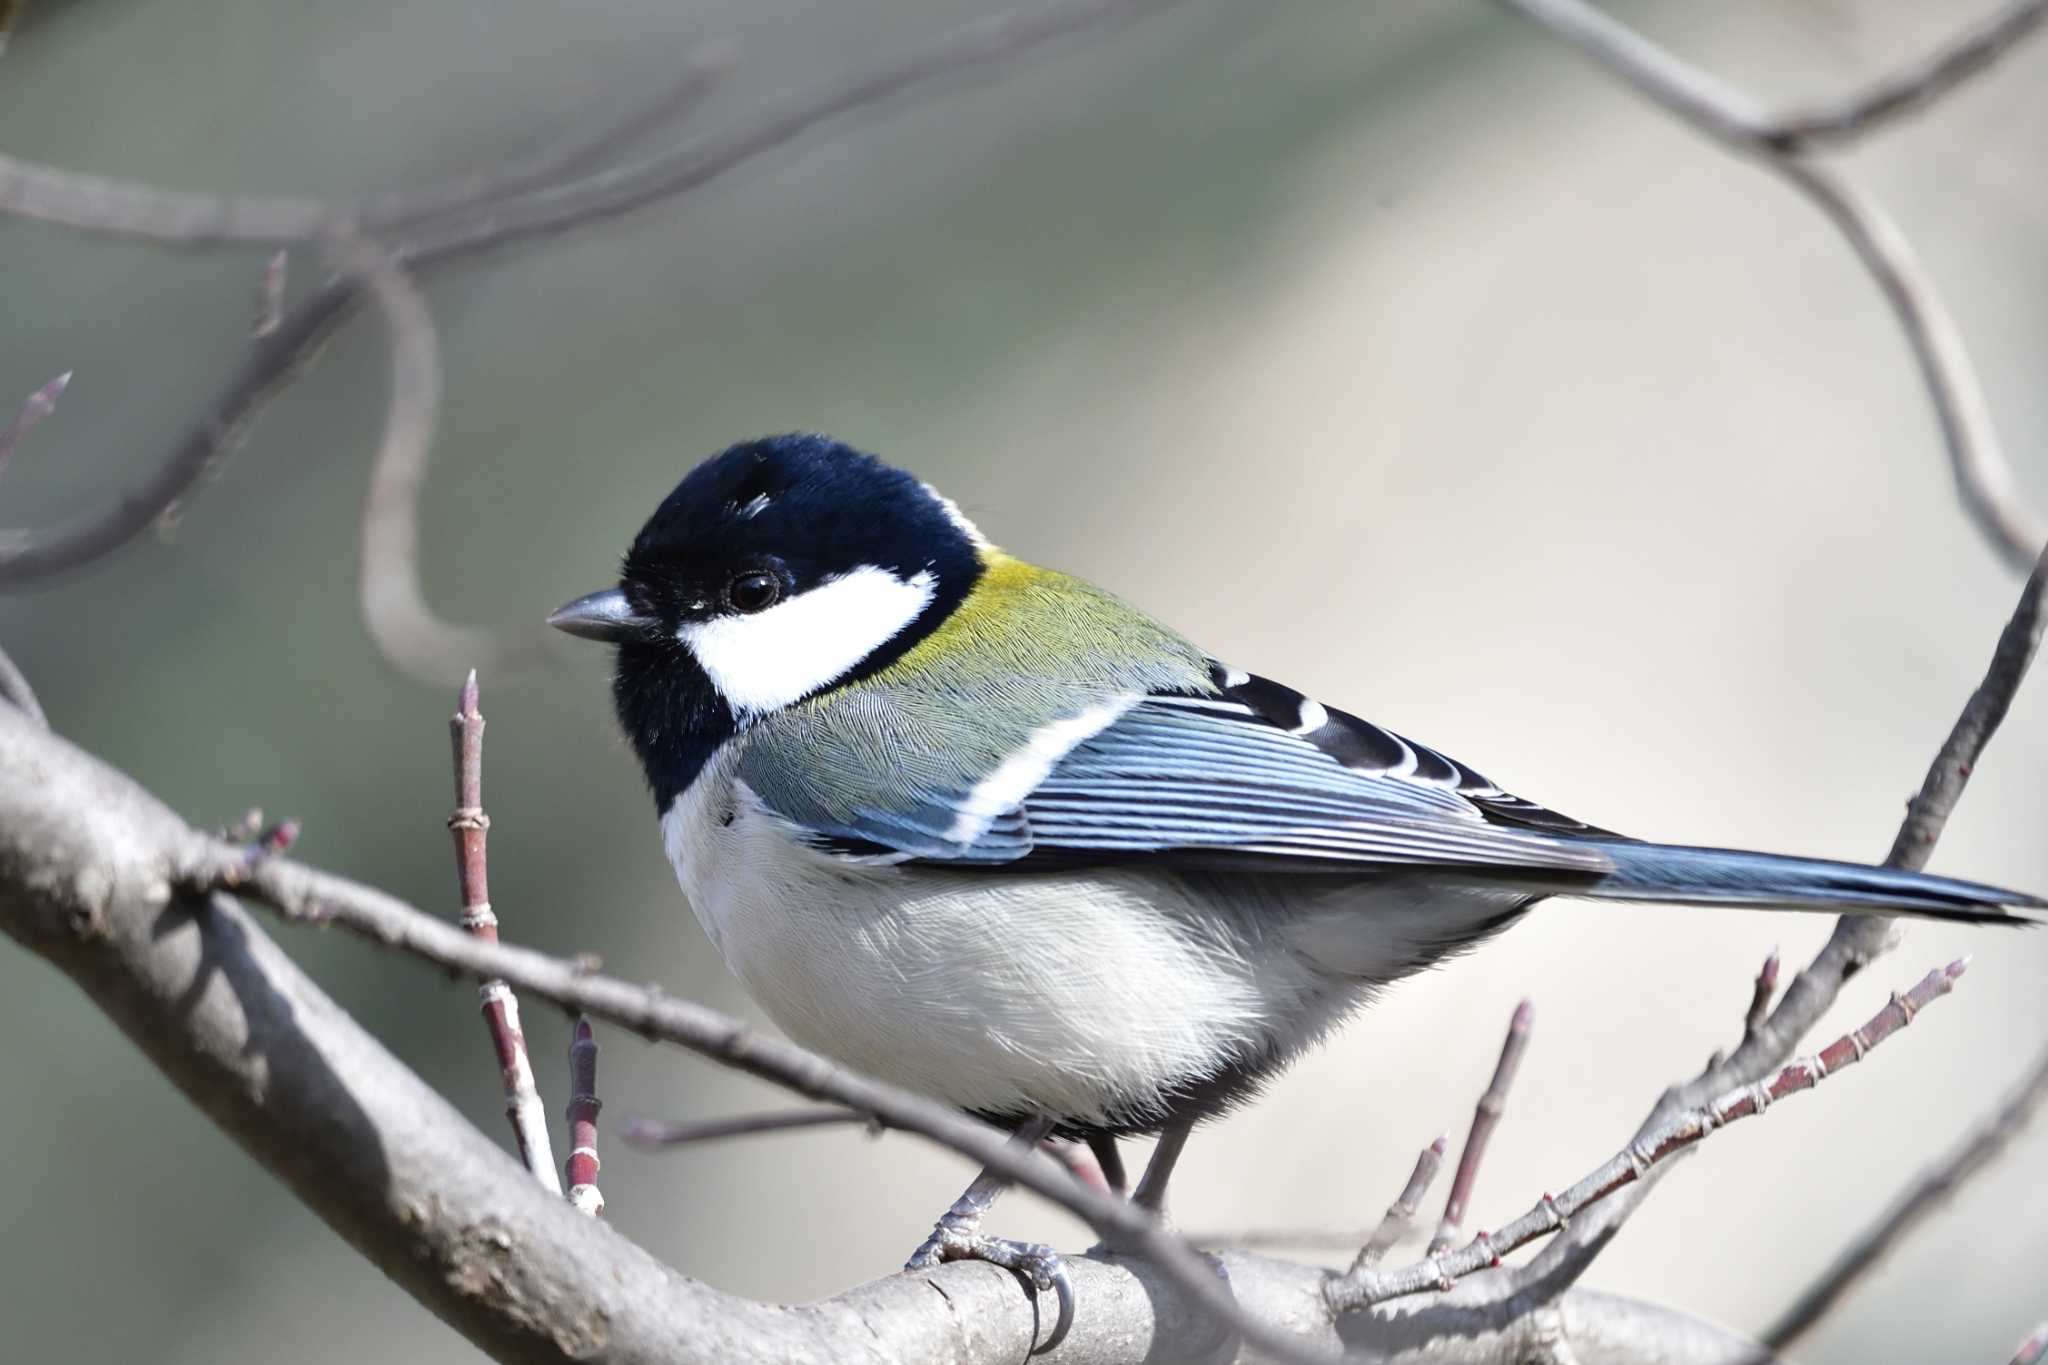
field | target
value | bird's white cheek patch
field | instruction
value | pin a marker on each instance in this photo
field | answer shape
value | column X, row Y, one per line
column 772, row 658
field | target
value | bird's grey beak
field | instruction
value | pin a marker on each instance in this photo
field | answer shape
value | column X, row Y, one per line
column 601, row 616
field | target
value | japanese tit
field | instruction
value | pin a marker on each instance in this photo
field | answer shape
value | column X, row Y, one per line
column 983, row 830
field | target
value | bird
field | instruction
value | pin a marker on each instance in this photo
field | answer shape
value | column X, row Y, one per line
column 983, row 830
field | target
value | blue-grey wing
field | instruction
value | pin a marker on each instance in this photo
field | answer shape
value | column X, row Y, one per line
column 1248, row 775
column 1258, row 776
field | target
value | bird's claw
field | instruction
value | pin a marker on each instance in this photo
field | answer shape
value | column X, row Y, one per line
column 1037, row 1264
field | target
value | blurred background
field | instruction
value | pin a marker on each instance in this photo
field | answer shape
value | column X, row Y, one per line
column 1385, row 348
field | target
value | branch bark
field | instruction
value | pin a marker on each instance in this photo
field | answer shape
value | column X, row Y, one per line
column 90, row 870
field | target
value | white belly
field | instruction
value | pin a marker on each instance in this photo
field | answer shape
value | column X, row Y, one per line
column 1083, row 995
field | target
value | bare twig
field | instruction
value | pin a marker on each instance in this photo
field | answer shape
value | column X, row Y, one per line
column 1761, row 995
column 302, row 893
column 1363, row 1287
column 33, row 409
column 270, row 294
column 120, row 208
column 15, row 690
column 1856, row 941
column 470, row 828
column 406, row 210
column 405, row 629
column 994, row 44
column 642, row 1132
column 227, row 1016
column 1929, row 1191
column 1983, row 476
column 1913, row 86
column 1484, row 1119
column 2034, row 1349
column 1401, row 1213
column 580, row 1173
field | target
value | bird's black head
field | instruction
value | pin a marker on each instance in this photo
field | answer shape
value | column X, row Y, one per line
column 778, row 569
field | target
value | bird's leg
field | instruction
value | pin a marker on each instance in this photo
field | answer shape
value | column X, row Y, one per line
column 1151, row 1192
column 1111, row 1161
column 958, row 1237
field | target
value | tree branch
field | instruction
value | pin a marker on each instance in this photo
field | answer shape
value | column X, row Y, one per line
column 1929, row 1190
column 1854, row 944
column 404, row 628
column 992, row 45
column 1984, row 478
column 33, row 409
column 90, row 867
column 470, row 829
column 1362, row 1286
column 1492, row 1104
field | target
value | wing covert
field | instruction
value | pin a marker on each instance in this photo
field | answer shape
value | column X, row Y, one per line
column 1250, row 775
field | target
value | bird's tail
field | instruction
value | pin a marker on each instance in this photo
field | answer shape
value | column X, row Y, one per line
column 1723, row 876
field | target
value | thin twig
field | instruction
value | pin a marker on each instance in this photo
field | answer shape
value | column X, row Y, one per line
column 405, row 629
column 1914, row 86
column 1363, row 1287
column 15, row 690
column 1929, row 1190
column 1761, row 995
column 641, row 1132
column 305, row 894
column 1401, row 1213
column 993, row 45
column 580, row 1172
column 470, row 828
column 1857, row 940
column 406, row 210
column 270, row 294
column 1983, row 476
column 33, row 409
column 150, row 213
column 1484, row 1119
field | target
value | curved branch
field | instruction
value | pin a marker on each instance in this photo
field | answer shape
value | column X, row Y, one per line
column 1983, row 476
column 89, row 870
column 404, row 628
column 991, row 45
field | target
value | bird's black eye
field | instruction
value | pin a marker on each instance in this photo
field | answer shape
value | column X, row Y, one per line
column 752, row 592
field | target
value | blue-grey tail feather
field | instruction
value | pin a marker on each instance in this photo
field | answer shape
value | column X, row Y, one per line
column 1722, row 876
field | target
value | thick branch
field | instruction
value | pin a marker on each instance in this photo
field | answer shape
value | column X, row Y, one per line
column 88, row 862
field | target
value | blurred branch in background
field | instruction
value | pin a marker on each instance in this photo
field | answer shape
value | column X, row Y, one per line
column 456, row 228
column 1929, row 1190
column 33, row 409
column 84, row 852
column 1983, row 475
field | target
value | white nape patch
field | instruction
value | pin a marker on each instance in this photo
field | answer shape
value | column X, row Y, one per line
column 1235, row 677
column 767, row 660
column 1016, row 776
column 957, row 517
column 1313, row 718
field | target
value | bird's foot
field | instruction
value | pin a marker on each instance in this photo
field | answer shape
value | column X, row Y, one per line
column 1038, row 1265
